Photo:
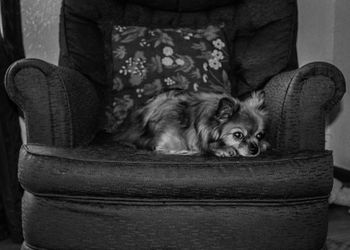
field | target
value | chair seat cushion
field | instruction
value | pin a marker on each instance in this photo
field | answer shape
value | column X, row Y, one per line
column 114, row 171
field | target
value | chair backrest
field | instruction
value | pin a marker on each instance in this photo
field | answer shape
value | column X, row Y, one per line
column 262, row 33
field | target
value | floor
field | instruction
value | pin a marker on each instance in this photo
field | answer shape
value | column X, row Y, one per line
column 338, row 231
column 339, row 228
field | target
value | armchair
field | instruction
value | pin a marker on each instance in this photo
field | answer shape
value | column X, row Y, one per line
column 84, row 192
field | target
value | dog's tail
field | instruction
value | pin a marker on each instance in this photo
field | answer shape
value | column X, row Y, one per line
column 135, row 132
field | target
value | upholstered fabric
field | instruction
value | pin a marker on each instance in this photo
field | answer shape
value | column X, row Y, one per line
column 88, row 223
column 148, row 61
column 297, row 117
column 108, row 197
column 60, row 105
column 115, row 171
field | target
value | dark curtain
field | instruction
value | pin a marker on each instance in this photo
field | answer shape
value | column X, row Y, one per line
column 11, row 49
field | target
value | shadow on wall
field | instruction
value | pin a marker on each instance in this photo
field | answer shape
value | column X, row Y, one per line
column 334, row 114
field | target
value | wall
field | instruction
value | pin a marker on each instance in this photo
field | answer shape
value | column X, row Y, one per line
column 40, row 20
column 340, row 129
column 324, row 36
column 0, row 22
column 315, row 36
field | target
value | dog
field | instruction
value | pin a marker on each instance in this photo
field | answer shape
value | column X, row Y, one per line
column 184, row 123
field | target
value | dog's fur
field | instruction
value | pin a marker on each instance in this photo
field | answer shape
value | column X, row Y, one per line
column 179, row 122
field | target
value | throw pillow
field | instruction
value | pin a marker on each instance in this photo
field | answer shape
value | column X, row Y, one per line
column 148, row 61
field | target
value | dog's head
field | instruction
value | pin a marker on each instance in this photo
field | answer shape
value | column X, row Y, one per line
column 242, row 124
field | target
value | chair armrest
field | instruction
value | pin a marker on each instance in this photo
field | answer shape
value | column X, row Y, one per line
column 60, row 105
column 298, row 102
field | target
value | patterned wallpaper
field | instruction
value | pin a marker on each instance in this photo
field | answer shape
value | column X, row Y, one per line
column 40, row 20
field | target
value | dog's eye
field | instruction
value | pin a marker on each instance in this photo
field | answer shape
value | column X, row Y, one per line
column 260, row 136
column 238, row 135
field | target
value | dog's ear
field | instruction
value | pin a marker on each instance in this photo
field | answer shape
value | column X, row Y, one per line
column 256, row 100
column 226, row 108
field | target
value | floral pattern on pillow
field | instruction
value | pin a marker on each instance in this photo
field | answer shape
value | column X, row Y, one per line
column 148, row 61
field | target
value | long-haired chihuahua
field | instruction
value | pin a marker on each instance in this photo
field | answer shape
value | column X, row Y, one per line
column 179, row 122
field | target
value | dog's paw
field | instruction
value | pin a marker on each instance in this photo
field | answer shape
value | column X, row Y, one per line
column 176, row 152
column 225, row 152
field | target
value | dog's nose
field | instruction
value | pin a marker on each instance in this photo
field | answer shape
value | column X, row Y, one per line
column 253, row 149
